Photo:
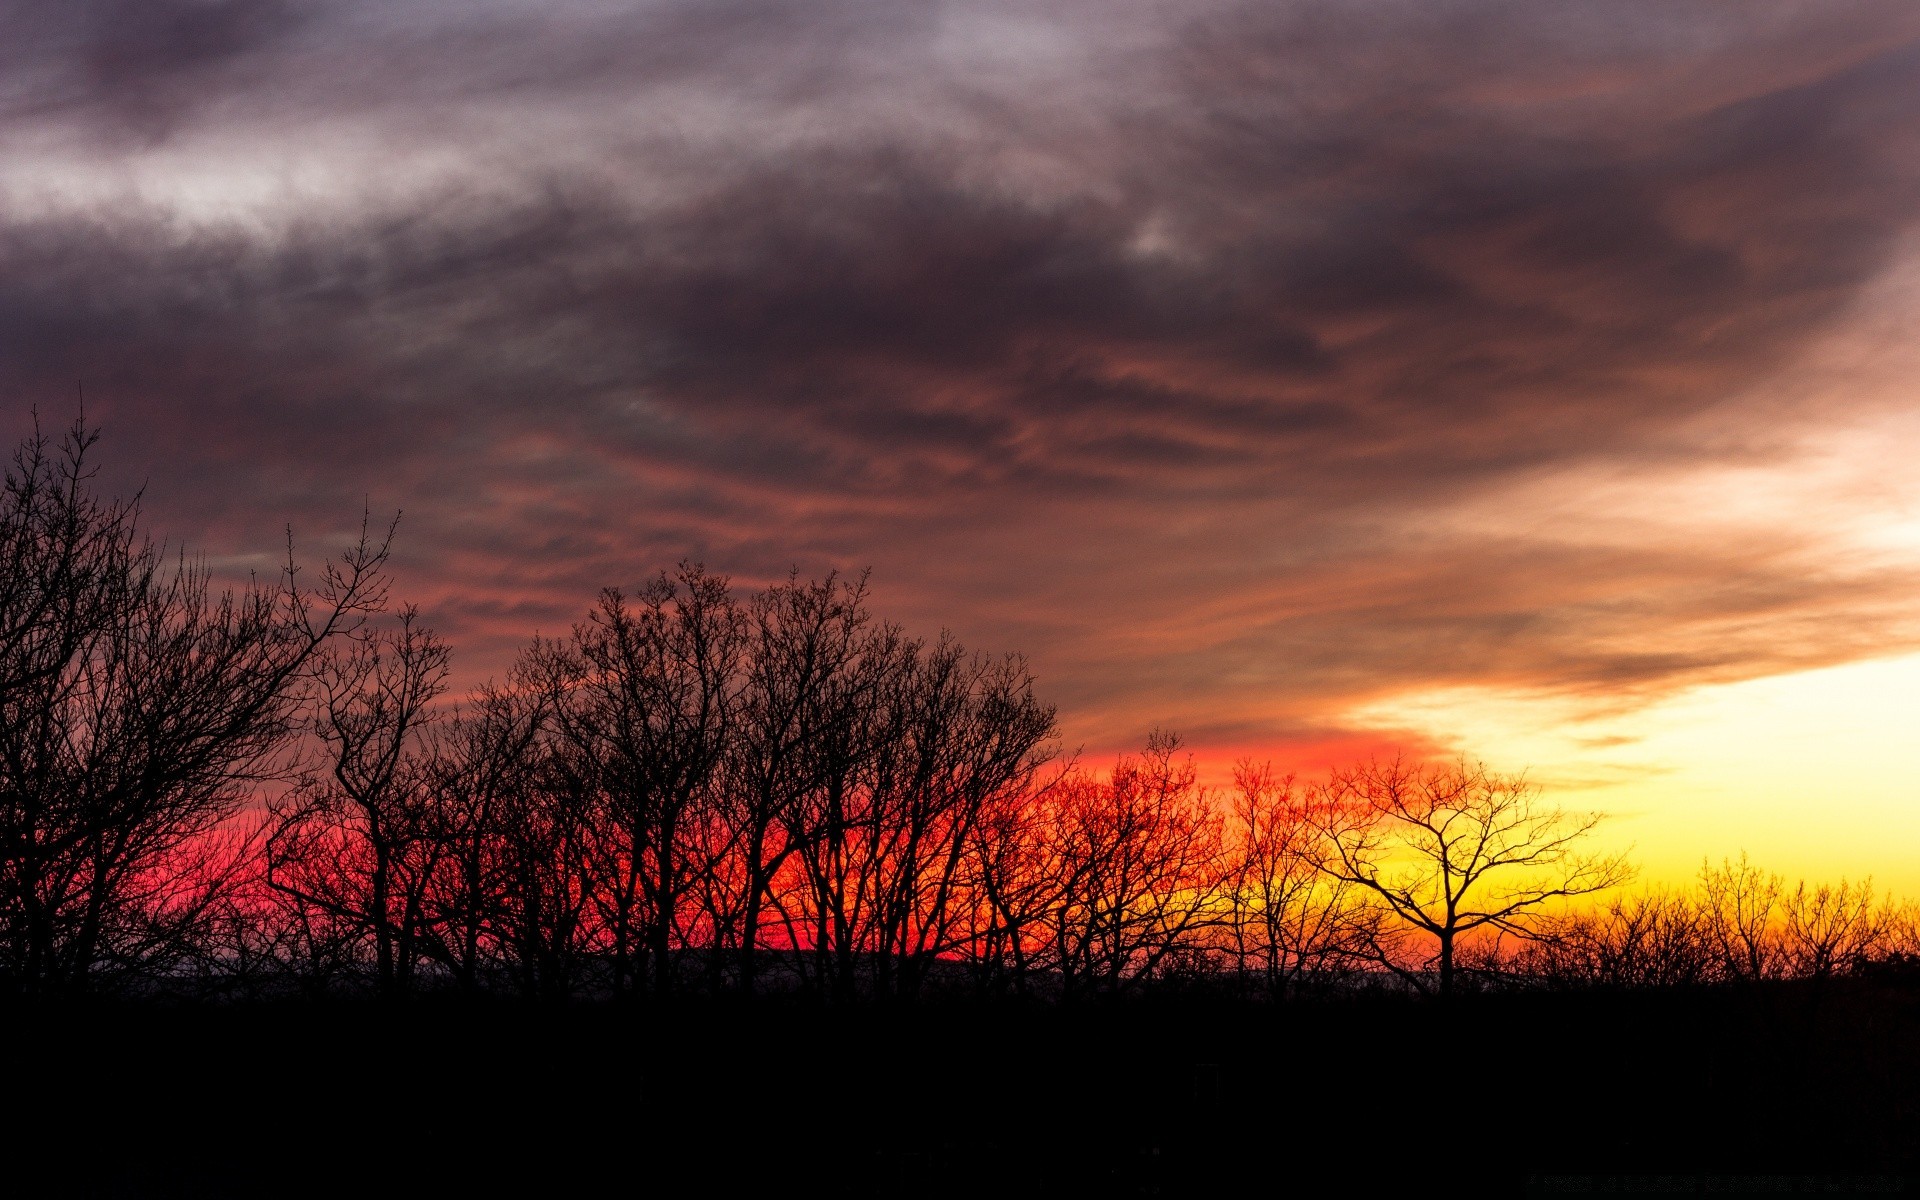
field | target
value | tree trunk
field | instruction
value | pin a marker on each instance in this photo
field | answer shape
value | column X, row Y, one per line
column 382, row 929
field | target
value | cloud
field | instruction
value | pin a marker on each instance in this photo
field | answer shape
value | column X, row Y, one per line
column 1205, row 356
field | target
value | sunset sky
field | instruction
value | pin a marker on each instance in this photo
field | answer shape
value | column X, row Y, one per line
column 1529, row 381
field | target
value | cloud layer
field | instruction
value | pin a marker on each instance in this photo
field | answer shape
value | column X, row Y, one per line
column 1240, row 364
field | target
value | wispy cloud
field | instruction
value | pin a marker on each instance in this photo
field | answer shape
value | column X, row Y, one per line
column 1213, row 355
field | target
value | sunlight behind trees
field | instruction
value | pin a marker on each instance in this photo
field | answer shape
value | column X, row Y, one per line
column 718, row 790
column 1807, row 771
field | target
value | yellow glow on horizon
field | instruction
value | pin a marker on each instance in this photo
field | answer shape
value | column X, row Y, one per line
column 1815, row 773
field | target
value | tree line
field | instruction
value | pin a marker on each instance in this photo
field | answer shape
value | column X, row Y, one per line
column 267, row 789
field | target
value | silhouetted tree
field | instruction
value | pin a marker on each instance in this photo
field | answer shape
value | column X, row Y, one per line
column 933, row 737
column 360, row 838
column 490, row 757
column 792, row 744
column 972, row 734
column 1831, row 928
column 840, row 821
column 648, row 708
column 1142, row 868
column 1012, row 891
column 1291, row 918
column 1740, row 903
column 1450, row 850
column 139, row 708
column 1648, row 939
column 544, row 909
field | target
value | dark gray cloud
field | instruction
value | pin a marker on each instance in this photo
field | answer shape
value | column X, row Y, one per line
column 1171, row 350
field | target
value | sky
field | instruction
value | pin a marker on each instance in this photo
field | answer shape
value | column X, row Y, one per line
column 1531, row 382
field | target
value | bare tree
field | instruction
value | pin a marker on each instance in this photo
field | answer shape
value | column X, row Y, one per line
column 1143, row 870
column 973, row 734
column 1449, row 850
column 360, row 839
column 1646, row 939
column 139, row 707
column 792, row 743
column 842, row 818
column 1741, row 904
column 1012, row 891
column 933, row 736
column 1831, row 928
column 545, row 850
column 490, row 757
column 652, row 696
column 1292, row 918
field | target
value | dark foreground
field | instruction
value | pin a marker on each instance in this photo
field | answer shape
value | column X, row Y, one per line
column 1790, row 1087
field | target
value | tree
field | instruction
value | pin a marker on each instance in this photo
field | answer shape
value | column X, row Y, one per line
column 359, row 839
column 1739, row 902
column 1142, row 867
column 139, row 707
column 1646, row 939
column 1292, row 919
column 1452, row 849
column 972, row 733
column 491, row 757
column 649, row 699
column 543, row 850
column 798, row 700
column 1011, row 889
column 1832, row 928
column 937, row 737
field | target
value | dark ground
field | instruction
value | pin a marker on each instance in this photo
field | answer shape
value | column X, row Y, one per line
column 1789, row 1087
